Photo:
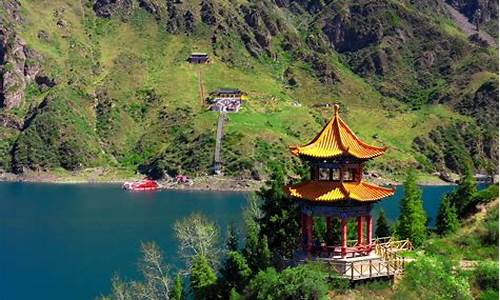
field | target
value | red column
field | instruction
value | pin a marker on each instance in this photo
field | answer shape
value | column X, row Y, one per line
column 360, row 230
column 309, row 229
column 369, row 224
column 303, row 223
column 343, row 223
column 329, row 230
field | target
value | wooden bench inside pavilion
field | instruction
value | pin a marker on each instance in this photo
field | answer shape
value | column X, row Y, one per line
column 336, row 190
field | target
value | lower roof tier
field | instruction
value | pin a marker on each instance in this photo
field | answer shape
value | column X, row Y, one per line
column 332, row 191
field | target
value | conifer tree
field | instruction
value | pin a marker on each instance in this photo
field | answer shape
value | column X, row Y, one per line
column 235, row 272
column 412, row 220
column 203, row 278
column 233, row 295
column 280, row 219
column 232, row 238
column 464, row 194
column 447, row 218
column 177, row 292
column 265, row 256
column 251, row 250
column 256, row 249
column 383, row 227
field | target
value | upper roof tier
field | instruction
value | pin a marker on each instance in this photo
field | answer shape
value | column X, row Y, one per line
column 337, row 139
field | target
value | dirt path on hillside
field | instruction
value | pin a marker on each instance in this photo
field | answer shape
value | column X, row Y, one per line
column 201, row 88
column 467, row 27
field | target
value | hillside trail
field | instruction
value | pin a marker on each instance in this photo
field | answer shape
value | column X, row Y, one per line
column 218, row 141
column 82, row 10
column 467, row 27
column 201, row 88
column 471, row 225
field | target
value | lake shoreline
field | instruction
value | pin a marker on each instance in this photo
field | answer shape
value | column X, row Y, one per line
column 202, row 183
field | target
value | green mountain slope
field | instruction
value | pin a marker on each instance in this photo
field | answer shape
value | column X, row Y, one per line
column 110, row 86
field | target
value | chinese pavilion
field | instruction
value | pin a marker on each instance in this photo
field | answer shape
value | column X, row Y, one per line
column 336, row 190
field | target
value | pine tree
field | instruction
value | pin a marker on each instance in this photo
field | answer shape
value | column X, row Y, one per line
column 256, row 249
column 203, row 278
column 233, row 295
column 280, row 220
column 232, row 238
column 177, row 292
column 235, row 272
column 265, row 256
column 383, row 227
column 464, row 194
column 447, row 218
column 412, row 220
column 251, row 250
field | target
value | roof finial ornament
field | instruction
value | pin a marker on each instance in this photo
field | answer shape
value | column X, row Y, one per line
column 336, row 109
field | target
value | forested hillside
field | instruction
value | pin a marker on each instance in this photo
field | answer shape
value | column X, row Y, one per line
column 105, row 83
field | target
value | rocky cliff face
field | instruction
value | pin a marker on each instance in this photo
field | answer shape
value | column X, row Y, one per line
column 481, row 11
column 19, row 64
column 19, row 67
column 108, row 8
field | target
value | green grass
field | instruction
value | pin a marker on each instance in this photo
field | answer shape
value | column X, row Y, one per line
column 477, row 240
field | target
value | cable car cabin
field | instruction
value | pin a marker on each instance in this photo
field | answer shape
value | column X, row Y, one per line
column 199, row 58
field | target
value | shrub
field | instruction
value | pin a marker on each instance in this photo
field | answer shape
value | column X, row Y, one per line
column 488, row 233
column 308, row 281
column 487, row 195
column 264, row 284
column 430, row 278
column 486, row 276
column 489, row 295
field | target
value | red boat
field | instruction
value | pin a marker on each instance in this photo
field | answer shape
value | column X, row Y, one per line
column 144, row 185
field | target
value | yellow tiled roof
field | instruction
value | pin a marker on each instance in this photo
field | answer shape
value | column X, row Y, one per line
column 337, row 139
column 330, row 191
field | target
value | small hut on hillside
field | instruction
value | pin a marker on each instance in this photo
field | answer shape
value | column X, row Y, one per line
column 199, row 58
column 227, row 100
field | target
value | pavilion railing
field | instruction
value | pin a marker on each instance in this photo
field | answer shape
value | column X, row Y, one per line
column 388, row 250
column 386, row 263
column 403, row 245
column 368, row 268
column 394, row 245
column 382, row 240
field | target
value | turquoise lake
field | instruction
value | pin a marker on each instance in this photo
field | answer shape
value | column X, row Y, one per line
column 66, row 241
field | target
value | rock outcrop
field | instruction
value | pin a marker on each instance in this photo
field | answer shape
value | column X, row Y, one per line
column 481, row 11
column 19, row 64
column 11, row 122
column 108, row 8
